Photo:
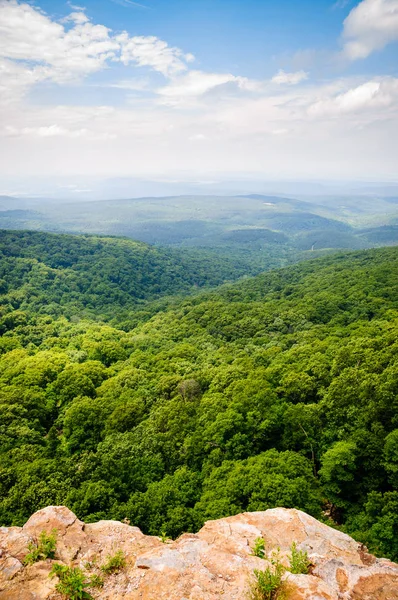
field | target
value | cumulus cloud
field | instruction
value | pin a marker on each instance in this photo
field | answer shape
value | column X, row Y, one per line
column 152, row 52
column 34, row 48
column 229, row 122
column 78, row 17
column 27, row 34
column 15, row 79
column 289, row 78
column 370, row 26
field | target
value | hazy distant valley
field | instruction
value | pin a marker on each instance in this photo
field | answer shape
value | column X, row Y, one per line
column 264, row 231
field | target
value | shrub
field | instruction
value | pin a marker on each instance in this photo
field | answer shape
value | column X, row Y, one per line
column 42, row 549
column 114, row 563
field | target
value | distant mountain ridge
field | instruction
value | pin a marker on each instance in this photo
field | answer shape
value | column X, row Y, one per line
column 210, row 221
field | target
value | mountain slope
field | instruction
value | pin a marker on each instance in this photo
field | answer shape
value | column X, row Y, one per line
column 65, row 274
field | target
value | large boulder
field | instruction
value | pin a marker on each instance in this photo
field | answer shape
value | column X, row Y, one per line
column 217, row 562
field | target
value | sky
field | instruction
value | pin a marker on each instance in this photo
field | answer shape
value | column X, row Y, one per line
column 201, row 89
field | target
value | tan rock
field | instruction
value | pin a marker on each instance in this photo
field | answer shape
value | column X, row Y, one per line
column 69, row 530
column 14, row 542
column 9, row 567
column 214, row 563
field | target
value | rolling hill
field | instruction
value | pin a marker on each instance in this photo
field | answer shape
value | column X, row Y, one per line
column 68, row 274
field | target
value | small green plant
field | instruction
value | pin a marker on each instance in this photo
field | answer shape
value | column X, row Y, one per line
column 258, row 548
column 268, row 584
column 164, row 537
column 114, row 563
column 42, row 549
column 96, row 581
column 72, row 582
column 299, row 561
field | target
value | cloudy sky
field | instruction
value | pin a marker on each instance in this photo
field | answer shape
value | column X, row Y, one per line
column 283, row 89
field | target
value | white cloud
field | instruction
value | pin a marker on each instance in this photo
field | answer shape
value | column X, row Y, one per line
column 27, row 34
column 281, row 131
column 197, row 137
column 181, row 90
column 44, row 132
column 133, row 85
column 129, row 3
column 34, row 48
column 234, row 124
column 15, row 79
column 370, row 26
column 289, row 78
column 78, row 17
column 57, row 131
column 150, row 51
column 371, row 95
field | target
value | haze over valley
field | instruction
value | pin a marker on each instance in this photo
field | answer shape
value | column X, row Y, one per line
column 259, row 230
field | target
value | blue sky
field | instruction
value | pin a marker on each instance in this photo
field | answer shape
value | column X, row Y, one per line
column 280, row 90
column 255, row 36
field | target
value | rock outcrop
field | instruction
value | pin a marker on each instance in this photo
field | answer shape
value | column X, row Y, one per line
column 214, row 563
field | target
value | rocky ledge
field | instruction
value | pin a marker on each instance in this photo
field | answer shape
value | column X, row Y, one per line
column 215, row 563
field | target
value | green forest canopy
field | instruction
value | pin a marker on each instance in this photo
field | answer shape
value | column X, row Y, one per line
column 69, row 274
column 280, row 390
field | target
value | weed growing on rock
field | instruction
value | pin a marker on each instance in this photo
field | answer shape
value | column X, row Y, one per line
column 258, row 548
column 42, row 549
column 268, row 584
column 96, row 581
column 114, row 563
column 72, row 582
column 164, row 537
column 299, row 561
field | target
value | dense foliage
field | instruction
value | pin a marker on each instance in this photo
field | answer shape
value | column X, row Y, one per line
column 281, row 390
column 66, row 274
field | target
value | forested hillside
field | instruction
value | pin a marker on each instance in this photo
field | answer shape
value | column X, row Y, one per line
column 69, row 275
column 280, row 390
